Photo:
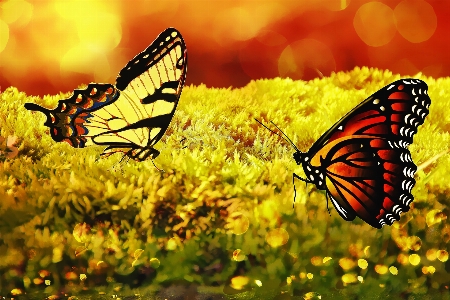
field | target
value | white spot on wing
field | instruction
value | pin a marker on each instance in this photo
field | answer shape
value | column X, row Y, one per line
column 342, row 211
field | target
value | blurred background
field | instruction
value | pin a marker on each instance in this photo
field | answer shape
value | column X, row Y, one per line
column 47, row 47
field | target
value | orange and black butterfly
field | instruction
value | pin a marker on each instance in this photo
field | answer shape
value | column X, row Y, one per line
column 362, row 162
column 131, row 116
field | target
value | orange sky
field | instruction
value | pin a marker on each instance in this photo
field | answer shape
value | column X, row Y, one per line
column 52, row 46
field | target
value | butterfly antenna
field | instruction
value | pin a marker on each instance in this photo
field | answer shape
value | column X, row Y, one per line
column 287, row 140
column 293, row 145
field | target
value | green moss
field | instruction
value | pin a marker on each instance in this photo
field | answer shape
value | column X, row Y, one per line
column 65, row 211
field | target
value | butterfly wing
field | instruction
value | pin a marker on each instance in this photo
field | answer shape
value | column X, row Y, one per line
column 74, row 119
column 132, row 116
column 366, row 177
column 394, row 112
column 368, row 170
column 150, row 85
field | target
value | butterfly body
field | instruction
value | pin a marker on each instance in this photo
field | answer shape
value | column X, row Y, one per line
column 131, row 116
column 362, row 162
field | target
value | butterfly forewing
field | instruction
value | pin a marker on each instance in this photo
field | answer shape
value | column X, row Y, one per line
column 394, row 112
column 150, row 84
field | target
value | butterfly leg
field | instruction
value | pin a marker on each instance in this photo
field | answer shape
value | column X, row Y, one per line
column 293, row 182
column 181, row 142
column 161, row 170
column 326, row 196
column 295, row 191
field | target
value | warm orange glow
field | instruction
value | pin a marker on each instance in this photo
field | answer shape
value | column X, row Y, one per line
column 239, row 23
column 306, row 55
column 52, row 46
column 416, row 20
column 18, row 12
column 336, row 5
column 374, row 24
column 4, row 33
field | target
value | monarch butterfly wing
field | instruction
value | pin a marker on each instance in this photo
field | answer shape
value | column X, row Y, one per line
column 75, row 120
column 384, row 125
column 366, row 177
column 394, row 112
column 150, row 85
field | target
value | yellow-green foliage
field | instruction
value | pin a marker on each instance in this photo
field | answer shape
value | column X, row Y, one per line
column 69, row 213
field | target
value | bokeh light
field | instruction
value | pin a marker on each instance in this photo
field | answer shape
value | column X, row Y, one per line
column 349, row 278
column 416, row 20
column 414, row 259
column 374, row 23
column 393, row 270
column 239, row 282
column 306, row 56
column 277, row 237
column 336, row 5
column 442, row 255
column 18, row 12
column 381, row 269
column 239, row 23
column 4, row 34
column 347, row 263
column 238, row 223
column 312, row 296
column 326, row 259
column 362, row 263
column 316, row 261
column 270, row 44
column 238, row 255
column 154, row 263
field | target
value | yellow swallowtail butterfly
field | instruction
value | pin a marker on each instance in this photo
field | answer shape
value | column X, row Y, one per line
column 131, row 116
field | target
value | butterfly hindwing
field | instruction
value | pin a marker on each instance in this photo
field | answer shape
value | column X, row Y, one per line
column 368, row 178
column 135, row 117
column 75, row 119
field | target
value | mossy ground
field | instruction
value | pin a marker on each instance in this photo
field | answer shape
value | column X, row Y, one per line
column 221, row 214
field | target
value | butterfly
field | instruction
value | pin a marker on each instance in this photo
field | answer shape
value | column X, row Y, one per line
column 362, row 162
column 131, row 116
